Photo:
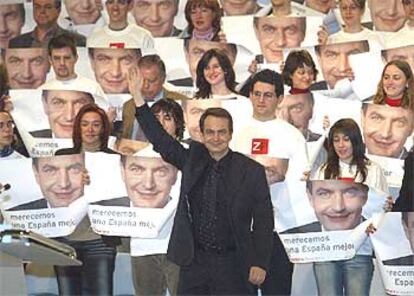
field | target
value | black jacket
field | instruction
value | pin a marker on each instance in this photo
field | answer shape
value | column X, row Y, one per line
column 250, row 207
column 405, row 201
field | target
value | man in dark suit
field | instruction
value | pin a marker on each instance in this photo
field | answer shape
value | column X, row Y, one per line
column 223, row 196
column 407, row 220
column 154, row 73
column 45, row 14
column 311, row 227
column 33, row 205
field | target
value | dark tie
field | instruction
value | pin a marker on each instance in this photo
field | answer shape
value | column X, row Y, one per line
column 208, row 208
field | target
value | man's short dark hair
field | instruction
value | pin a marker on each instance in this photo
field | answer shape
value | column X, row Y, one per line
column 270, row 77
column 302, row 23
column 173, row 109
column 58, row 4
column 364, row 43
column 231, row 46
column 153, row 60
column 45, row 93
column 62, row 41
column 91, row 51
column 361, row 186
column 216, row 112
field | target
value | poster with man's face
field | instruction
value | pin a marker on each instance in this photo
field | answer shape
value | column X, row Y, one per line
column 143, row 194
column 338, row 229
column 46, row 118
column 393, row 243
column 52, row 201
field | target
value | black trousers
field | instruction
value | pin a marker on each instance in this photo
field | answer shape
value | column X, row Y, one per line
column 95, row 276
column 279, row 277
column 214, row 274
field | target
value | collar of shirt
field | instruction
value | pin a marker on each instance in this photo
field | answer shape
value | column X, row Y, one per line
column 6, row 151
column 50, row 33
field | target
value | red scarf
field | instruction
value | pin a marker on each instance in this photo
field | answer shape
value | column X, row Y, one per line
column 393, row 102
column 346, row 179
column 296, row 91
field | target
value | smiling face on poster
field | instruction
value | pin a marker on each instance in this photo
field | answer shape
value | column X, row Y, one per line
column 388, row 15
column 148, row 180
column 276, row 33
column 82, row 11
column 337, row 204
column 12, row 17
column 111, row 65
column 157, row 16
column 334, row 60
column 60, row 178
column 385, row 129
column 239, row 7
column 27, row 67
column 61, row 108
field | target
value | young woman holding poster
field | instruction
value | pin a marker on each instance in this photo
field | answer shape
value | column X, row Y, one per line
column 347, row 161
column 215, row 76
column 346, row 157
column 91, row 131
column 396, row 87
column 203, row 18
column 299, row 72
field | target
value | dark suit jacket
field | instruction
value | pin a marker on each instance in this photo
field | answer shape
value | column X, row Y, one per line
column 187, row 81
column 402, row 261
column 405, row 201
column 46, row 133
column 27, row 40
column 128, row 112
column 311, row 227
column 33, row 205
column 68, row 151
column 248, row 198
column 115, row 202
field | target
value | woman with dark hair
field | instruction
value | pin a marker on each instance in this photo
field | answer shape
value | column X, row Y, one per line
column 8, row 137
column 91, row 131
column 299, row 71
column 346, row 157
column 203, row 18
column 215, row 76
column 347, row 161
column 396, row 87
column 170, row 114
column 95, row 277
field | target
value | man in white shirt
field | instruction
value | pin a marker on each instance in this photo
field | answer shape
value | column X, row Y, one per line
column 118, row 33
column 262, row 136
column 63, row 57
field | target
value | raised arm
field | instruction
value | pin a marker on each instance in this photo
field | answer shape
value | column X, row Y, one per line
column 170, row 149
